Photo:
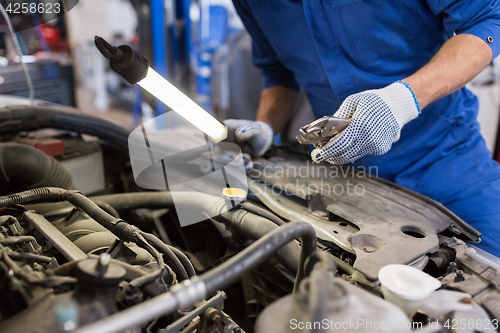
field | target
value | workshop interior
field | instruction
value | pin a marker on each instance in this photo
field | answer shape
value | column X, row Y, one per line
column 127, row 205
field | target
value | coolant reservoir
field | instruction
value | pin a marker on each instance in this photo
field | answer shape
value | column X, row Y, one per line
column 344, row 308
column 406, row 286
column 413, row 290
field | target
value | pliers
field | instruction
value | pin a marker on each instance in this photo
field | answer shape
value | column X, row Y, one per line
column 321, row 131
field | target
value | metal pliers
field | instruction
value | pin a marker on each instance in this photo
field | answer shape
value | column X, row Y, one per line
column 320, row 131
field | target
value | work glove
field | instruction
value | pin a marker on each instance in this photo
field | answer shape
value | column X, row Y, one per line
column 377, row 117
column 258, row 134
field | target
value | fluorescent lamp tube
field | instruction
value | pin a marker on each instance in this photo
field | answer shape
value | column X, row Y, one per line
column 134, row 68
column 166, row 92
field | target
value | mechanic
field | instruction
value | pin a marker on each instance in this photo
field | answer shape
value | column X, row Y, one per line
column 385, row 64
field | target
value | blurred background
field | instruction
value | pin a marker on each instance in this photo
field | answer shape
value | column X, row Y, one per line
column 198, row 45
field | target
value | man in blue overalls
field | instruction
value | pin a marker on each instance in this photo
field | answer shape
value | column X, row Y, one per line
column 385, row 64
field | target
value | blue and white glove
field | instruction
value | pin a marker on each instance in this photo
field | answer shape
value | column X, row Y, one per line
column 377, row 118
column 258, row 134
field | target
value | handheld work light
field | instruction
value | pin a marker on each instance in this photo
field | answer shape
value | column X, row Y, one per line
column 134, row 68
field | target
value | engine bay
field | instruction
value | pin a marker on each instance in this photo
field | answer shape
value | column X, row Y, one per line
column 303, row 252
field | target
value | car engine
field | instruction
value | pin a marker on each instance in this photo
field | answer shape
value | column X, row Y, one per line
column 306, row 251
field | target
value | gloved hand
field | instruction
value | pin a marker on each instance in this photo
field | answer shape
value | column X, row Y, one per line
column 258, row 134
column 377, row 118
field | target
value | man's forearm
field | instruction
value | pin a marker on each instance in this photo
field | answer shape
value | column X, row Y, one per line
column 458, row 61
column 276, row 106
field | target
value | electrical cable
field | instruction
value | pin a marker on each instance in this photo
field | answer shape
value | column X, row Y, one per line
column 171, row 253
column 31, row 257
column 107, row 208
column 44, row 46
column 32, row 277
column 148, row 200
column 16, row 240
column 18, row 50
column 117, row 226
column 146, row 279
column 107, row 50
column 188, row 265
column 121, row 228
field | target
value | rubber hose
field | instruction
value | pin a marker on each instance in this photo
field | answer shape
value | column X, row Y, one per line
column 253, row 208
column 15, row 119
column 254, row 227
column 136, row 200
column 107, row 208
column 26, row 167
column 230, row 271
column 320, row 260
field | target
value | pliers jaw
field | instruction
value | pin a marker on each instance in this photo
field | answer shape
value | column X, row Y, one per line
column 320, row 132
